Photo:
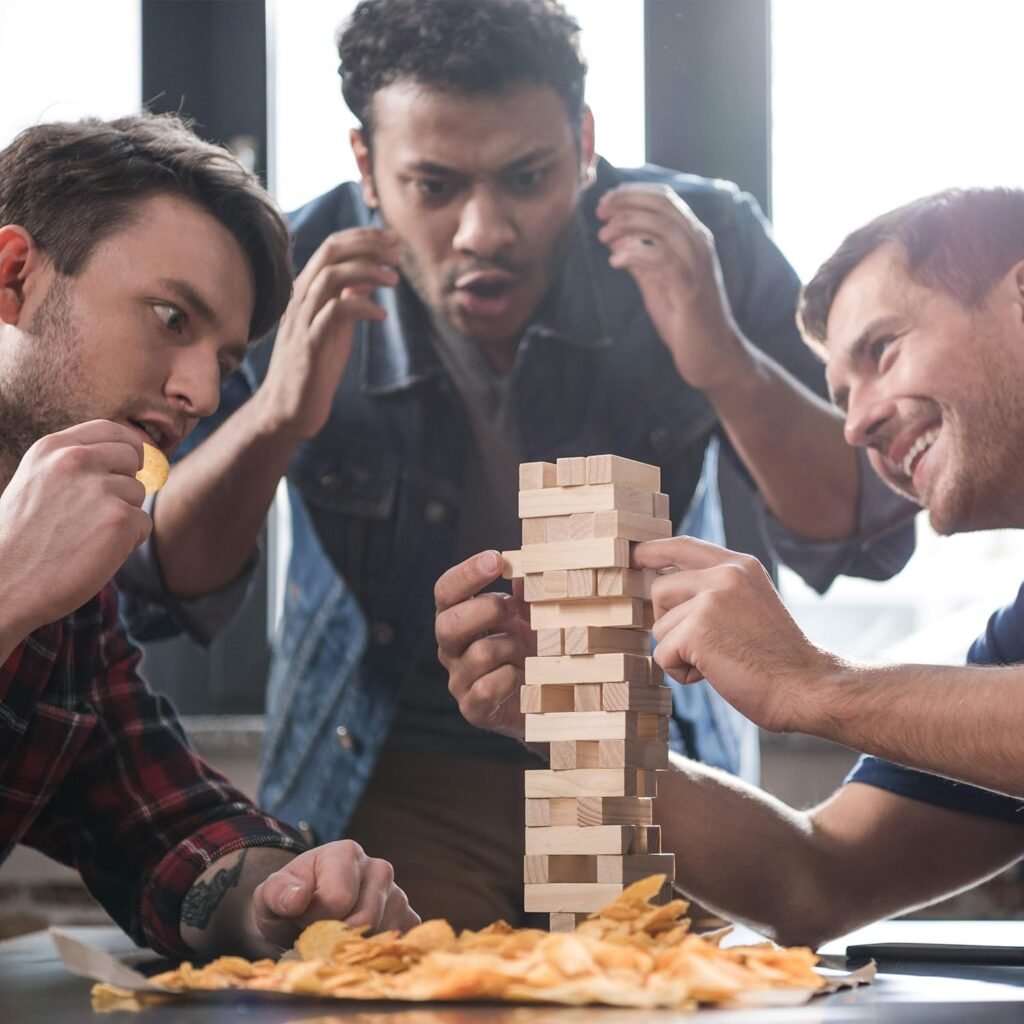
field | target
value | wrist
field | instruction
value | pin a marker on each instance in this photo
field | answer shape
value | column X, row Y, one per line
column 269, row 421
column 739, row 375
column 825, row 704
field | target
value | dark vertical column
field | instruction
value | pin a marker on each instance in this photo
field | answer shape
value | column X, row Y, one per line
column 708, row 85
column 207, row 60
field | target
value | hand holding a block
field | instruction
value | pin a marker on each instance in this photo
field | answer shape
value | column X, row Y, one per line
column 483, row 641
column 671, row 255
column 719, row 618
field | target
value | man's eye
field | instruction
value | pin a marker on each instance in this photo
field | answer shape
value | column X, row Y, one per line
column 170, row 316
column 527, row 180
column 879, row 347
column 433, row 188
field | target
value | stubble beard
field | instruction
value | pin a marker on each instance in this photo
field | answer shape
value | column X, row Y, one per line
column 37, row 394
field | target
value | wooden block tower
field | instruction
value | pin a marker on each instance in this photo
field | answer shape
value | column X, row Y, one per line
column 593, row 692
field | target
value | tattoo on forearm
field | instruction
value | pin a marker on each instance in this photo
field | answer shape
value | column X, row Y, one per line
column 204, row 897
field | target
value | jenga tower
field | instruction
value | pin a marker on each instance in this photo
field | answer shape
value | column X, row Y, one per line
column 593, row 692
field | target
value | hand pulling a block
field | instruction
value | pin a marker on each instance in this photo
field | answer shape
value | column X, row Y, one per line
column 483, row 640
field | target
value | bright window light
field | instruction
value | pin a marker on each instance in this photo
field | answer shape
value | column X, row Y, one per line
column 875, row 103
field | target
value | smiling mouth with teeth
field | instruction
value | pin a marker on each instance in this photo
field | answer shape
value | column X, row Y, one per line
column 917, row 449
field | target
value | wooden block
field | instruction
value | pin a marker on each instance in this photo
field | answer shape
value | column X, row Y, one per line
column 573, row 472
column 562, row 923
column 654, row 700
column 585, row 698
column 614, row 469
column 582, row 583
column 537, row 813
column 659, row 507
column 588, row 668
column 535, row 531
column 628, row 870
column 555, row 584
column 625, row 582
column 551, row 643
column 598, row 553
column 607, row 640
column 647, row 839
column 649, row 728
column 535, row 475
column 592, row 725
column 567, row 897
column 512, row 567
column 593, row 840
column 631, row 754
column 584, row 525
column 566, row 501
column 588, row 811
column 541, row 868
column 538, row 700
column 657, row 672
column 556, row 528
column 573, row 782
column 619, row 611
column 611, row 810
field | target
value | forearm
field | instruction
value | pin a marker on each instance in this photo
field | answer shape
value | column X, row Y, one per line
column 217, row 914
column 792, row 443
column 742, row 853
column 209, row 514
column 960, row 722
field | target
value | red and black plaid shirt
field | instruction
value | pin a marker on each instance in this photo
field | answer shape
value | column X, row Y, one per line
column 96, row 772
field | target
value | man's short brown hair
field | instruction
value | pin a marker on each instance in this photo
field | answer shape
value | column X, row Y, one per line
column 960, row 242
column 72, row 184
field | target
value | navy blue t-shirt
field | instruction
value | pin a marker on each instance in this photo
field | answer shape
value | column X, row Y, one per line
column 1002, row 643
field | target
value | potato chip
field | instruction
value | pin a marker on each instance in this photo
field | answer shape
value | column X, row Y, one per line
column 630, row 954
column 155, row 468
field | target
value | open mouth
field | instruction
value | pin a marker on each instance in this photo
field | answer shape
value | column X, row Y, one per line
column 165, row 442
column 918, row 450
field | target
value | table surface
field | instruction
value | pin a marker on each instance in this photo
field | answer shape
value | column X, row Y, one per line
column 35, row 988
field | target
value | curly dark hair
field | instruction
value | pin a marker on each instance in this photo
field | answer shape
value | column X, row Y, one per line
column 460, row 46
column 73, row 184
column 959, row 242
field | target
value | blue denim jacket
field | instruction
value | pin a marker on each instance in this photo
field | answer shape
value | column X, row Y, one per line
column 381, row 484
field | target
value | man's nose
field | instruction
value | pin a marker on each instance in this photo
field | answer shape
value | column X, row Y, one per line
column 485, row 226
column 866, row 414
column 193, row 386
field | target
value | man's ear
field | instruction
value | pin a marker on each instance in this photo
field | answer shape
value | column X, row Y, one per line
column 1018, row 282
column 20, row 261
column 588, row 156
column 364, row 162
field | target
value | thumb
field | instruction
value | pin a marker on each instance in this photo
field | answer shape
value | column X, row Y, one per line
column 285, row 893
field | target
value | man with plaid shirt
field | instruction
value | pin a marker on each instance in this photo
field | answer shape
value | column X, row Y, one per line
column 136, row 263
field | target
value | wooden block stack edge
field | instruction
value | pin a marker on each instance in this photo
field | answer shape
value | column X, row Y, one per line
column 593, row 692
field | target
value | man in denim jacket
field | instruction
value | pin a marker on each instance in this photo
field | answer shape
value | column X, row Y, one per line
column 490, row 293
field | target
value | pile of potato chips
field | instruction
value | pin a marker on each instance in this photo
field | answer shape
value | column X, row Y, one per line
column 630, row 954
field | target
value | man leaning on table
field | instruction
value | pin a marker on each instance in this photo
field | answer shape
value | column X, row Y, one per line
column 136, row 262
column 920, row 318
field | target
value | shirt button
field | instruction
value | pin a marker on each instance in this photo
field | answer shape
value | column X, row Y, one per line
column 435, row 512
column 307, row 832
column 330, row 481
column 345, row 738
column 383, row 634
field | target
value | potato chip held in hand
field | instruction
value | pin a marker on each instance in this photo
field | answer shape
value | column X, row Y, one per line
column 155, row 468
